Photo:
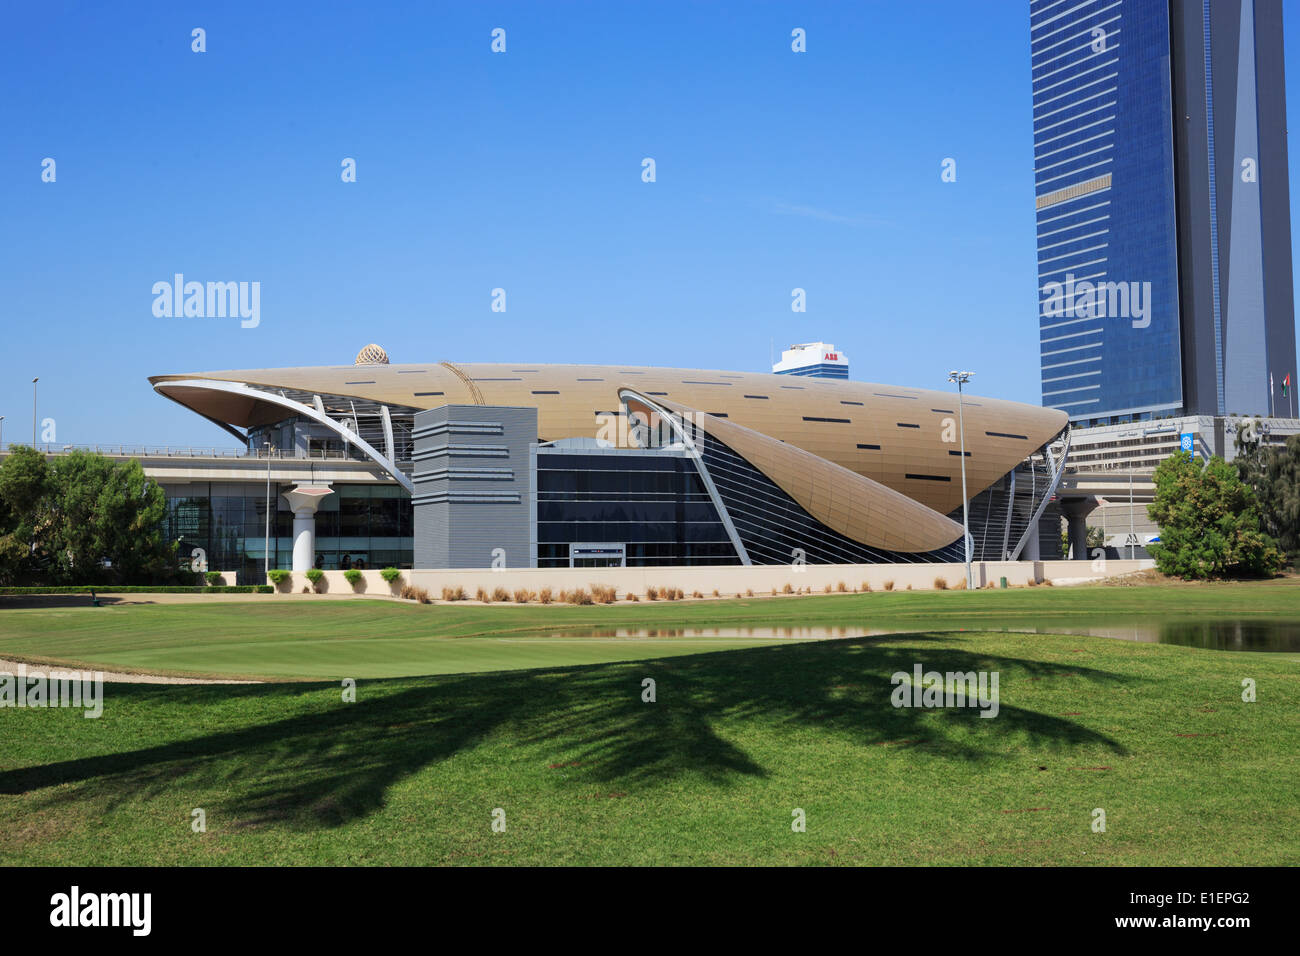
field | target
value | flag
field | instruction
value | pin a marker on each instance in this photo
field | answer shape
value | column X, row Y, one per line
column 1286, row 384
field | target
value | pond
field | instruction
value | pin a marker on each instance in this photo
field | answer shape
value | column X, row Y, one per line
column 1218, row 635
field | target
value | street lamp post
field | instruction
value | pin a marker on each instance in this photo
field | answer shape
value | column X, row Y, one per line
column 266, row 543
column 2, row 431
column 961, row 378
column 34, row 381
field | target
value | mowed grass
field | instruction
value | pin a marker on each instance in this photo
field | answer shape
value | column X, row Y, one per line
column 710, row 773
column 367, row 638
column 586, row 772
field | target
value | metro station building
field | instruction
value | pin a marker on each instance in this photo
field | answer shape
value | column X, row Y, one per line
column 449, row 465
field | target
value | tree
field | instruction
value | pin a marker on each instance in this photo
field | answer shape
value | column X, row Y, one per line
column 81, row 518
column 1209, row 522
column 1274, row 475
column 25, row 518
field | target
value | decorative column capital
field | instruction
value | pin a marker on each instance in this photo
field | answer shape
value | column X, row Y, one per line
column 304, row 499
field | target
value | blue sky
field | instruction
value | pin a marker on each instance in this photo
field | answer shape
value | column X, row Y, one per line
column 520, row 171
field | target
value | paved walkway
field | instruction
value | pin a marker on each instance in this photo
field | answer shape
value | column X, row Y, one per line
column 110, row 677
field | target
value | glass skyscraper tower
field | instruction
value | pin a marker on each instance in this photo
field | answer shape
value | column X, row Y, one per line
column 1164, row 243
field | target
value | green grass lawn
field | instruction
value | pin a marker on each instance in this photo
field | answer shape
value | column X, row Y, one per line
column 586, row 772
column 370, row 638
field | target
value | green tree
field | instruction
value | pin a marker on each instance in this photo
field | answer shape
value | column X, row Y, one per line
column 1273, row 473
column 81, row 518
column 1209, row 522
column 25, row 514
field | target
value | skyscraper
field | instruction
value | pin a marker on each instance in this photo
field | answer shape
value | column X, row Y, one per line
column 1164, row 241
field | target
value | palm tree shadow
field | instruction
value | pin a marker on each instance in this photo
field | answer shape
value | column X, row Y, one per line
column 337, row 764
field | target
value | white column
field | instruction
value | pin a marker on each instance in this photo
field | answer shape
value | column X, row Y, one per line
column 303, row 500
column 304, row 538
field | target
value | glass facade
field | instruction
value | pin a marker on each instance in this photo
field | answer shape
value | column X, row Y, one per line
column 364, row 526
column 654, row 505
column 822, row 370
column 1106, row 214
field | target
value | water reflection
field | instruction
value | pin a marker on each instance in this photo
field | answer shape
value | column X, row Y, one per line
column 1221, row 635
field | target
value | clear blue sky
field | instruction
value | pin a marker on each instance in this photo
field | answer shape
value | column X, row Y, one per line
column 520, row 171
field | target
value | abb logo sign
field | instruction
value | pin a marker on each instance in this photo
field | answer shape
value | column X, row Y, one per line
column 832, row 357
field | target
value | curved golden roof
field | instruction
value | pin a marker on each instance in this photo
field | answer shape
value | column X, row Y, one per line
column 903, row 438
column 844, row 501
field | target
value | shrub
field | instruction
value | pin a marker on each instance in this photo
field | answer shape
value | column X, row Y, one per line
column 482, row 595
column 501, row 595
column 787, row 589
column 213, row 578
column 631, row 596
column 866, row 587
column 544, row 596
column 579, row 596
column 941, row 584
column 1031, row 583
column 604, row 594
column 353, row 577
column 715, row 593
column 523, row 596
column 749, row 592
column 390, row 575
column 960, row 585
column 696, row 594
column 422, row 595
column 909, row 586
column 652, row 594
column 315, row 576
column 889, row 585
column 841, row 587
column 827, row 589
column 448, row 594
column 278, row 575
column 1210, row 525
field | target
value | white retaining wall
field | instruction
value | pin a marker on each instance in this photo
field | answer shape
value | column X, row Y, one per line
column 729, row 580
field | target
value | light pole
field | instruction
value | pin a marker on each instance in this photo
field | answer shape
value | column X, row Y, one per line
column 2, row 431
column 34, row 381
column 961, row 378
column 266, row 543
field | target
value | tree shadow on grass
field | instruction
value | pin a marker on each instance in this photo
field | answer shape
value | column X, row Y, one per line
column 336, row 764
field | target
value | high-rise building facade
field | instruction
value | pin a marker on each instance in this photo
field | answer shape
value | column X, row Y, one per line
column 1164, row 245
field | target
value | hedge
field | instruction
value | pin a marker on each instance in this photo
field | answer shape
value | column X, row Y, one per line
column 144, row 589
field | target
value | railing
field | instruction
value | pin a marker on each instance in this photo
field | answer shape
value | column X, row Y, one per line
column 186, row 451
